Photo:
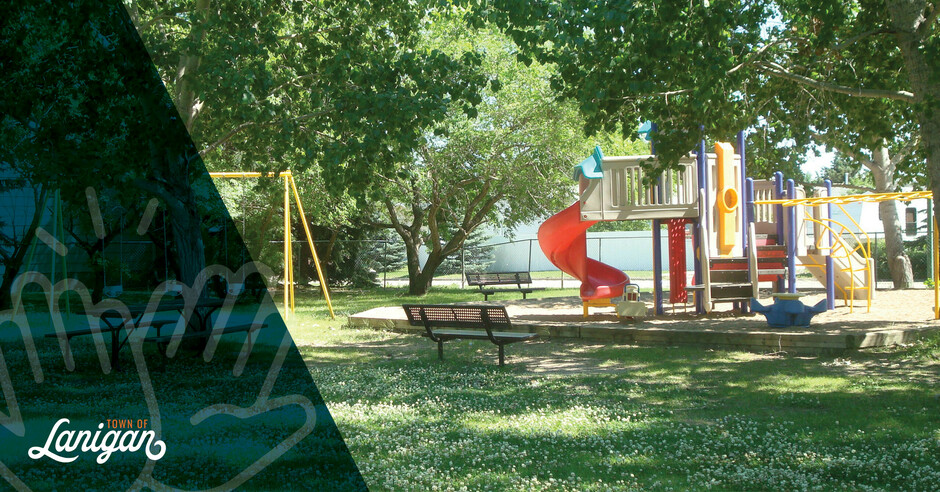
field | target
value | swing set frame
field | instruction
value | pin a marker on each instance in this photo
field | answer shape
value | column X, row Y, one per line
column 289, row 186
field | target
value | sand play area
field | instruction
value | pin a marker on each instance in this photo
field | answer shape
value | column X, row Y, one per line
column 895, row 317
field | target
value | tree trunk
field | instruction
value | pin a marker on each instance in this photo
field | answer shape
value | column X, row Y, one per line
column 14, row 262
column 883, row 171
column 9, row 275
column 898, row 262
column 187, row 236
column 327, row 257
column 420, row 284
column 97, row 275
column 172, row 168
column 186, row 99
column 907, row 17
column 417, row 286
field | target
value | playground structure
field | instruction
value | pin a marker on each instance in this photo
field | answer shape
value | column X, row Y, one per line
column 289, row 187
column 744, row 231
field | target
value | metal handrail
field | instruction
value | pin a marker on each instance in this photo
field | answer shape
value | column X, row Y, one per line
column 842, row 245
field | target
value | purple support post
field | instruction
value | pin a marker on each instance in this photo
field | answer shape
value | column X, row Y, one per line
column 702, row 175
column 778, row 217
column 741, row 140
column 830, row 268
column 791, row 239
column 657, row 240
column 748, row 219
column 653, row 128
column 658, row 267
column 703, row 179
column 748, row 202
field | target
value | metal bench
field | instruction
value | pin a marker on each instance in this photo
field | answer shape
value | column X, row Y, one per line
column 453, row 322
column 522, row 281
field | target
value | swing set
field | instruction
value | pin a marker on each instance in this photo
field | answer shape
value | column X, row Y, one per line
column 290, row 188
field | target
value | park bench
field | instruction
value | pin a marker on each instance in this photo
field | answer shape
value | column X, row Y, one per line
column 522, row 281
column 453, row 322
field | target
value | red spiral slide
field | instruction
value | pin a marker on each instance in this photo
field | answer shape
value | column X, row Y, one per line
column 563, row 239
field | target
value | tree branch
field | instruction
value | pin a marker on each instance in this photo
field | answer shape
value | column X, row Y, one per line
column 824, row 139
column 231, row 133
column 780, row 72
column 840, row 185
column 905, row 151
column 396, row 224
column 858, row 37
column 923, row 28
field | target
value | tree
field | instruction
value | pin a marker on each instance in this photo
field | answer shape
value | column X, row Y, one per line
column 700, row 68
column 503, row 166
column 278, row 83
column 842, row 167
column 883, row 165
column 79, row 225
column 879, row 134
column 65, row 92
column 474, row 256
column 16, row 243
column 79, row 85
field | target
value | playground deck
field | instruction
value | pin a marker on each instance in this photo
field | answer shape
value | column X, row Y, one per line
column 896, row 317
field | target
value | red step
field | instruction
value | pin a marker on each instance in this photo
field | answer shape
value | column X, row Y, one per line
column 765, row 239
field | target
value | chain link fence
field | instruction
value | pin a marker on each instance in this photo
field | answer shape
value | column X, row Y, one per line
column 918, row 251
column 383, row 261
column 140, row 265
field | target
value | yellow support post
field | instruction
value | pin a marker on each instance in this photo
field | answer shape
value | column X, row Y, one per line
column 290, row 249
column 316, row 259
column 287, row 284
column 289, row 298
column 936, row 271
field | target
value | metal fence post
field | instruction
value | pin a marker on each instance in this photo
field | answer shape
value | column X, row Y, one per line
column 529, row 267
column 463, row 264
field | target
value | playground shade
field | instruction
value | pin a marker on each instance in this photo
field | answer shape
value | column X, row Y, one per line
column 563, row 239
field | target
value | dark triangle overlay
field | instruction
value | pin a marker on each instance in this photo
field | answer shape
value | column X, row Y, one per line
column 93, row 156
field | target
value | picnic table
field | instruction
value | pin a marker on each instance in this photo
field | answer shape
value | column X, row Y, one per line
column 115, row 322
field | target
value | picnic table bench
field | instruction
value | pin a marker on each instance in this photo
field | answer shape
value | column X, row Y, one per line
column 468, row 322
column 113, row 322
column 522, row 281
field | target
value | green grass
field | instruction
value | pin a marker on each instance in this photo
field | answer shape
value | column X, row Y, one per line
column 199, row 456
column 567, row 415
column 562, row 415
